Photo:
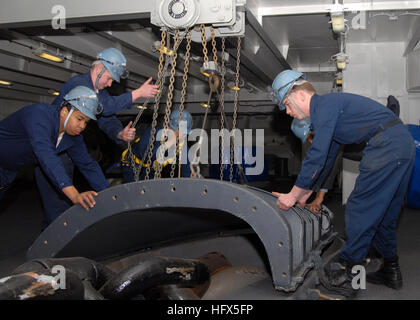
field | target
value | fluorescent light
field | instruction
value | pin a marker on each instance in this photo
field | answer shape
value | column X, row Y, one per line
column 44, row 54
column 54, row 92
column 5, row 83
column 49, row 56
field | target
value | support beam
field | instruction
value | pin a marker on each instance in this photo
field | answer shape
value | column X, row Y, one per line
column 18, row 77
column 26, row 13
column 28, row 66
column 348, row 7
column 326, row 68
column 30, row 98
column 24, row 50
column 414, row 41
column 90, row 44
column 266, row 40
column 32, row 89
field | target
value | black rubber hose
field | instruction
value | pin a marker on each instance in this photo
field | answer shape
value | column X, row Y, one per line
column 90, row 292
column 157, row 271
column 86, row 269
column 41, row 285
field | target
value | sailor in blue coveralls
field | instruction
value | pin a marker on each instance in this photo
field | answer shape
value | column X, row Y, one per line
column 140, row 148
column 109, row 66
column 37, row 134
column 373, row 206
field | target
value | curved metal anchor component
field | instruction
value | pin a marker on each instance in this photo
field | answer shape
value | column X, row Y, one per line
column 155, row 271
column 141, row 215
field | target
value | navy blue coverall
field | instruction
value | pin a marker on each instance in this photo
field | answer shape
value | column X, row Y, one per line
column 55, row 202
column 139, row 148
column 29, row 137
column 373, row 206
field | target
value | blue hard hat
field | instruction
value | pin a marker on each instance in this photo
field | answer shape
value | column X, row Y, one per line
column 85, row 100
column 186, row 116
column 301, row 128
column 283, row 83
column 115, row 62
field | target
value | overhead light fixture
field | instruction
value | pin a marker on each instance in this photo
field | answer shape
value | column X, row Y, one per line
column 341, row 60
column 5, row 83
column 337, row 17
column 141, row 107
column 42, row 52
column 339, row 79
column 54, row 92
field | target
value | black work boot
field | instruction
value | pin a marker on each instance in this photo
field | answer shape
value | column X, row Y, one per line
column 389, row 274
column 338, row 278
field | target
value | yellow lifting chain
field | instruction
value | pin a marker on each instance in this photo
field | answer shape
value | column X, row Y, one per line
column 167, row 56
column 214, row 83
column 213, row 42
column 181, row 107
column 235, row 106
column 174, row 56
column 161, row 73
column 222, row 109
column 204, row 43
column 129, row 154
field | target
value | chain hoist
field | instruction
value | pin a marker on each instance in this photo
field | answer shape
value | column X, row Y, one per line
column 181, row 107
column 222, row 109
column 210, row 72
column 204, row 43
column 169, row 99
column 161, row 73
column 136, row 170
column 209, row 66
column 235, row 106
column 169, row 57
column 195, row 164
column 223, row 121
column 213, row 42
